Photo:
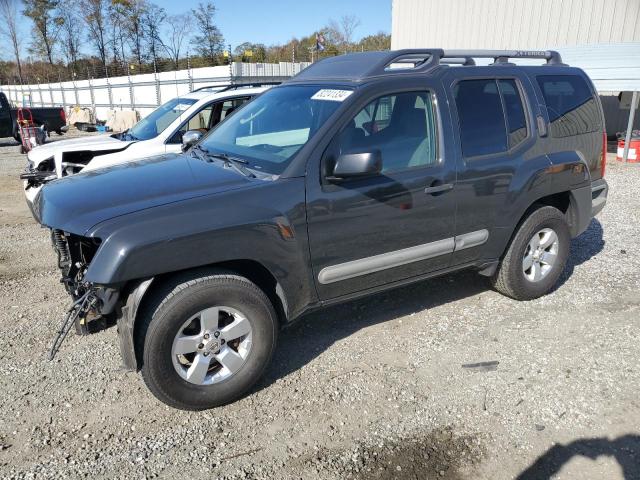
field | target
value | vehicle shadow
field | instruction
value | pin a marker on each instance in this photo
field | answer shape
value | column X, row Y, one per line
column 584, row 247
column 8, row 142
column 316, row 332
column 625, row 449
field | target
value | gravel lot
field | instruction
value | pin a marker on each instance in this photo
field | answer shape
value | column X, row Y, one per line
column 374, row 389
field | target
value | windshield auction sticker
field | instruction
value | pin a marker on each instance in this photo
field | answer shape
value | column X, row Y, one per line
column 331, row 95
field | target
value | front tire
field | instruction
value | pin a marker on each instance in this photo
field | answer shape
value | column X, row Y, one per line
column 536, row 256
column 206, row 340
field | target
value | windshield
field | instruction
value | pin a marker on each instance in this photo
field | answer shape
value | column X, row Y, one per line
column 155, row 123
column 271, row 129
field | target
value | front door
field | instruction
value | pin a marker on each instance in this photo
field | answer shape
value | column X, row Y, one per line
column 373, row 231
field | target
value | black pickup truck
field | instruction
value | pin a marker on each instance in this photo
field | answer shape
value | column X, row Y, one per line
column 54, row 119
column 363, row 173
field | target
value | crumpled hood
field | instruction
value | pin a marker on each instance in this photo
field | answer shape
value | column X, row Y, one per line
column 95, row 144
column 78, row 202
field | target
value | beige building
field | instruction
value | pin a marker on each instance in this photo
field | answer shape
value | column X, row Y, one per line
column 600, row 36
column 513, row 24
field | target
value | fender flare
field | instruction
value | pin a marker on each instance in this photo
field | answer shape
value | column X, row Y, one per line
column 128, row 317
column 127, row 321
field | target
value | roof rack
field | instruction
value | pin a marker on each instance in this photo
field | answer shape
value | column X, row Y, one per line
column 428, row 58
column 358, row 67
column 235, row 86
column 501, row 57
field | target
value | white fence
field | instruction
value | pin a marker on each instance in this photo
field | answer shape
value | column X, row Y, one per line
column 143, row 93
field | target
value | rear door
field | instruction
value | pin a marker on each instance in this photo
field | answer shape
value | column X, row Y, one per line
column 494, row 126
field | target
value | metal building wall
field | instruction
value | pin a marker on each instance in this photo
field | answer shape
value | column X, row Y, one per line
column 513, row 24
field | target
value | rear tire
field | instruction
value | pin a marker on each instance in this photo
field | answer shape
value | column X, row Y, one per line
column 536, row 256
column 185, row 312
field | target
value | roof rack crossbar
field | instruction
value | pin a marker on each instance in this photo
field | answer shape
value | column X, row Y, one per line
column 501, row 57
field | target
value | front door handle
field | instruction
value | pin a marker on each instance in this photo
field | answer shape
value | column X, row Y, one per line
column 443, row 187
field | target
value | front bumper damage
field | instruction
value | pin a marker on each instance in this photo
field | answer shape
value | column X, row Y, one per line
column 93, row 306
column 34, row 177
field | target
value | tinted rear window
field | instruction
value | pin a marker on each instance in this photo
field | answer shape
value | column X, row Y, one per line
column 482, row 126
column 571, row 106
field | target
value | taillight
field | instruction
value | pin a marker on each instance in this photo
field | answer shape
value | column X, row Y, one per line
column 63, row 116
column 603, row 163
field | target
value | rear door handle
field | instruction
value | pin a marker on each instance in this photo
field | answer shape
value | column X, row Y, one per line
column 443, row 187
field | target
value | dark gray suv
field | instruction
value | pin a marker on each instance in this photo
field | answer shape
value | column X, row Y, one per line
column 363, row 173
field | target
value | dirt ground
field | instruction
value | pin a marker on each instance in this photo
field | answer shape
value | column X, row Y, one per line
column 444, row 379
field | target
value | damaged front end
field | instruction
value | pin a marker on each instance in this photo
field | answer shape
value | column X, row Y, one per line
column 39, row 172
column 35, row 176
column 93, row 307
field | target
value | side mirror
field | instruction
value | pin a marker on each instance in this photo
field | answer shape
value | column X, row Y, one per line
column 350, row 165
column 190, row 138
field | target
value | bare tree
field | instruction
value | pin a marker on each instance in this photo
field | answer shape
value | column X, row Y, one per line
column 209, row 41
column 177, row 33
column 71, row 29
column 341, row 32
column 348, row 25
column 117, row 34
column 94, row 13
column 153, row 19
column 131, row 13
column 9, row 29
column 46, row 26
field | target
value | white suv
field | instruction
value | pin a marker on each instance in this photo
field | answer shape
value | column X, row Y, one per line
column 158, row 133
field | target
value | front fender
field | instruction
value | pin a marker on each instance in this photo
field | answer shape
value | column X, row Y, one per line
column 265, row 224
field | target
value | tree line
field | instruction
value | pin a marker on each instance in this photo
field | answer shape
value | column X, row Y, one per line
column 75, row 39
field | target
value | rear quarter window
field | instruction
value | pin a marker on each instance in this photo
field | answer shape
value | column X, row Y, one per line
column 571, row 107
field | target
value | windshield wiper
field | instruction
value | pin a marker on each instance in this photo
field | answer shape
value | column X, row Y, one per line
column 228, row 158
column 238, row 164
column 198, row 151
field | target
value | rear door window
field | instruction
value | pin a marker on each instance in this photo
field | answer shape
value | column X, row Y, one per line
column 571, row 107
column 491, row 115
column 482, row 123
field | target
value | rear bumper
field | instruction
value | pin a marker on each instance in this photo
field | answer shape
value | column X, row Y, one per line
column 599, row 192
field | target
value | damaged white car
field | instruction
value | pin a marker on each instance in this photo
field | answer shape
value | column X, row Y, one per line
column 158, row 133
